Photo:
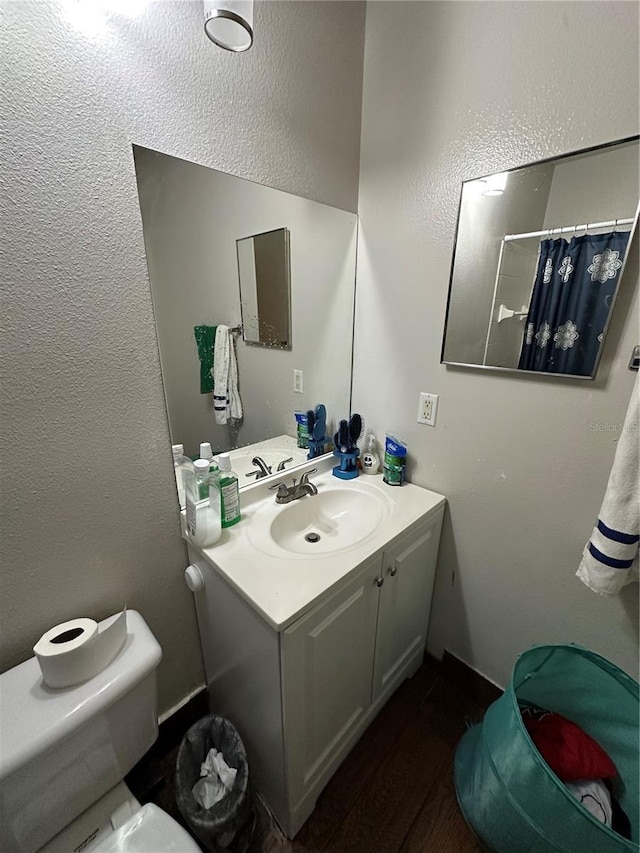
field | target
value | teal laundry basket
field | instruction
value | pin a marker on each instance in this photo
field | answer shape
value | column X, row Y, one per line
column 507, row 792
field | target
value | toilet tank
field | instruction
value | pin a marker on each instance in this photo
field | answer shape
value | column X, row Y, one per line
column 60, row 750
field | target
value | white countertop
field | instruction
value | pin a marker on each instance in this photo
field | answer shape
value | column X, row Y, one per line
column 282, row 587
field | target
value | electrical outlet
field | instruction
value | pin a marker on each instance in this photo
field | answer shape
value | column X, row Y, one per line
column 427, row 409
column 298, row 382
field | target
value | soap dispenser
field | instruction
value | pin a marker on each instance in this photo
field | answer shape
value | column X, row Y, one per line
column 370, row 458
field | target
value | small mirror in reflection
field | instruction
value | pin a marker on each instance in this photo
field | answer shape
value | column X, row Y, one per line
column 265, row 294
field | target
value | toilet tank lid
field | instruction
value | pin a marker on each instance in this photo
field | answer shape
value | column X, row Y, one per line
column 34, row 717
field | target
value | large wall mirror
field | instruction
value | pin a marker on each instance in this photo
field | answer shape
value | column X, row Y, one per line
column 203, row 233
column 539, row 255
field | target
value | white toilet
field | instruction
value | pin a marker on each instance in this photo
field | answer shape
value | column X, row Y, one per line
column 64, row 755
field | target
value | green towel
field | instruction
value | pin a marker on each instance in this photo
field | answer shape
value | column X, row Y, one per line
column 205, row 339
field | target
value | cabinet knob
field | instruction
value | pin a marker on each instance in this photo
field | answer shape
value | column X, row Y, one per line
column 392, row 571
column 193, row 578
column 379, row 581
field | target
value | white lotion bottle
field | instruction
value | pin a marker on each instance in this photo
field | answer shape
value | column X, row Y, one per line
column 370, row 458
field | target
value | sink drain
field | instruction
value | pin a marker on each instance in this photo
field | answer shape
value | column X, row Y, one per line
column 312, row 537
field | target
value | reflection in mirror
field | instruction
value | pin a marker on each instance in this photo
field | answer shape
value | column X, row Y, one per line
column 538, row 260
column 263, row 270
column 192, row 218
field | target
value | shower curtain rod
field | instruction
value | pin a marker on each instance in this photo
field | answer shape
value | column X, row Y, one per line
column 549, row 232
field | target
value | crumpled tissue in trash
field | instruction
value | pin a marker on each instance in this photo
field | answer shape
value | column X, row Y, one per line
column 217, row 779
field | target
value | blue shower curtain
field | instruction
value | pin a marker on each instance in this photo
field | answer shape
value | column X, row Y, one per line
column 574, row 286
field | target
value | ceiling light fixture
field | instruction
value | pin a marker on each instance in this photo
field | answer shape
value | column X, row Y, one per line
column 229, row 23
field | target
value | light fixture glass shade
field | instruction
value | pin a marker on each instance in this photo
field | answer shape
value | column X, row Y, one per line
column 229, row 23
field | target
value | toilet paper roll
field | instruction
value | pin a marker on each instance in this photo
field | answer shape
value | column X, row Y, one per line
column 76, row 650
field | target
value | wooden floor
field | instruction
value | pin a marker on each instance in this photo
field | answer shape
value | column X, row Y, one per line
column 394, row 793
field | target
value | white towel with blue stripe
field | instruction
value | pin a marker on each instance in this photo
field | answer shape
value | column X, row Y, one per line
column 610, row 558
column 226, row 397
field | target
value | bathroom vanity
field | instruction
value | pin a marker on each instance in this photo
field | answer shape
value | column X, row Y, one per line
column 305, row 639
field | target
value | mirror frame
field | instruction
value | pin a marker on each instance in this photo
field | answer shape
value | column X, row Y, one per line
column 632, row 233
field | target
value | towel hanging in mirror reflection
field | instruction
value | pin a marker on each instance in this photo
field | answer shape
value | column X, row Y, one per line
column 205, row 339
column 226, row 397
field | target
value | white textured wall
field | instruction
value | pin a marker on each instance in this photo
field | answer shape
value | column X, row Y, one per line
column 452, row 91
column 88, row 508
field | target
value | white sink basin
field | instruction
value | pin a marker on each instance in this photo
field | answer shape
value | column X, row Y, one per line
column 337, row 518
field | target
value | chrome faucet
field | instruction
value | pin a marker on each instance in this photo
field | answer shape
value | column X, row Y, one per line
column 295, row 491
column 263, row 469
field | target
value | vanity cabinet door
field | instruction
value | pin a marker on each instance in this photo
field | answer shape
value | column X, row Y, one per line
column 405, row 600
column 327, row 661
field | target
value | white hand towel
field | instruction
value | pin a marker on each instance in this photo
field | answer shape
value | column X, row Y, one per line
column 610, row 558
column 235, row 404
column 226, row 398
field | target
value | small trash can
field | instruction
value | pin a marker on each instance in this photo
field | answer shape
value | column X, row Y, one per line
column 228, row 825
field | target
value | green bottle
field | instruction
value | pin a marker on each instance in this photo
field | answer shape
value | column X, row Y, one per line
column 229, row 491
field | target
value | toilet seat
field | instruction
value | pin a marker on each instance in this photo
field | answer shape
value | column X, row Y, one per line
column 149, row 830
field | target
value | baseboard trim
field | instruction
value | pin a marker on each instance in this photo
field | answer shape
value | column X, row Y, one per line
column 179, row 705
column 150, row 773
column 173, row 727
column 473, row 683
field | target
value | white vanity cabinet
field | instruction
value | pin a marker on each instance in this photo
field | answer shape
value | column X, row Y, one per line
column 302, row 694
column 343, row 660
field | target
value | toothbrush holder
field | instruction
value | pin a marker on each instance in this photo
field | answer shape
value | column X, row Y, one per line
column 317, row 446
column 347, row 469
